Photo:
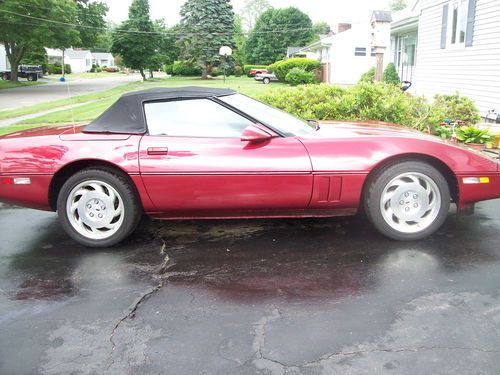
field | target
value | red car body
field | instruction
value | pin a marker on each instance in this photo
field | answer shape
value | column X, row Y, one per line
column 320, row 174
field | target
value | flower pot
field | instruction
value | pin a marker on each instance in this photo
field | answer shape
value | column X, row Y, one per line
column 496, row 142
column 476, row 146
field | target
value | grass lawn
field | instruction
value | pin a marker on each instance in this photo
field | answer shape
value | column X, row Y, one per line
column 99, row 102
column 21, row 83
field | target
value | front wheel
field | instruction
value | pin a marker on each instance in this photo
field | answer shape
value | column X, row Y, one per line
column 407, row 201
column 98, row 208
column 266, row 81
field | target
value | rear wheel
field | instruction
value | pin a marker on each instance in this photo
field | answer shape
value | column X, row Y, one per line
column 5, row 76
column 98, row 208
column 408, row 200
column 30, row 77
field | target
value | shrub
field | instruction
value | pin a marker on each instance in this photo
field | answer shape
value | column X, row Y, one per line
column 215, row 72
column 238, row 71
column 453, row 107
column 98, row 69
column 168, row 68
column 186, row 68
column 282, row 67
column 57, row 69
column 111, row 69
column 368, row 76
column 246, row 68
column 93, row 69
column 298, row 76
column 390, row 75
column 365, row 101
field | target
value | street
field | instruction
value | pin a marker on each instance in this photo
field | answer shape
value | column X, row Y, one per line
column 55, row 90
column 315, row 296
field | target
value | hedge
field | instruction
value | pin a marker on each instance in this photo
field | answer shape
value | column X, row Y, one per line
column 298, row 76
column 368, row 101
column 282, row 67
column 186, row 68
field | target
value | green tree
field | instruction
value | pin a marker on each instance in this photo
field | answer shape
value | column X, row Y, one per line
column 90, row 16
column 274, row 31
column 252, row 10
column 396, row 5
column 166, row 50
column 134, row 39
column 205, row 26
column 320, row 28
column 239, row 42
column 24, row 27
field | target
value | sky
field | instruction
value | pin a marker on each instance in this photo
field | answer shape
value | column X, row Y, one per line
column 330, row 11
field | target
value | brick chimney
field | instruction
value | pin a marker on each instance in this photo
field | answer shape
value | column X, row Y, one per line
column 344, row 27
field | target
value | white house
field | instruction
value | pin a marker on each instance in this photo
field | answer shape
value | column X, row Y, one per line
column 4, row 62
column 79, row 60
column 346, row 55
column 446, row 46
column 103, row 59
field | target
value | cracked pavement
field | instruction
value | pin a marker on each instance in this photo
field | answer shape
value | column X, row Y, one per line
column 315, row 296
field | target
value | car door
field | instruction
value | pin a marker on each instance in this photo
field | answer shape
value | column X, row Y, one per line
column 193, row 159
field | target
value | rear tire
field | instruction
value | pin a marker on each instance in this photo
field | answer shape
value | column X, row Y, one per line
column 98, row 207
column 30, row 77
column 407, row 201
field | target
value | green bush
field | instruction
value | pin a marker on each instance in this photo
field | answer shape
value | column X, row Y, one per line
column 368, row 76
column 246, row 68
column 57, row 69
column 282, row 67
column 298, row 76
column 186, row 68
column 238, row 71
column 453, row 107
column 98, row 69
column 365, row 101
column 390, row 75
column 168, row 68
column 473, row 134
column 215, row 72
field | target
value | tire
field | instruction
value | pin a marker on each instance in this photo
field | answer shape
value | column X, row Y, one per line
column 407, row 201
column 6, row 76
column 266, row 81
column 83, row 207
column 30, row 77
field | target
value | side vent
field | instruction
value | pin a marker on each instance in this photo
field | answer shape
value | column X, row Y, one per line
column 327, row 190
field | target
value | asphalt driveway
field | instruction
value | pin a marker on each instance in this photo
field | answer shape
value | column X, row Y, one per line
column 250, row 297
column 55, row 90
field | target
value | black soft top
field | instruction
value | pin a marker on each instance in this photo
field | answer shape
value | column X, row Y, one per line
column 126, row 114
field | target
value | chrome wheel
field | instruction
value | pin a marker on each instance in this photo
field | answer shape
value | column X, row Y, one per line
column 410, row 202
column 95, row 209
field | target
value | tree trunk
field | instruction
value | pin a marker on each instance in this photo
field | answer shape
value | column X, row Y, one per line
column 142, row 74
column 151, row 73
column 204, row 70
column 14, row 54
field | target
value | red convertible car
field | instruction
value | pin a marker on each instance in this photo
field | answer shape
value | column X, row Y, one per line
column 192, row 152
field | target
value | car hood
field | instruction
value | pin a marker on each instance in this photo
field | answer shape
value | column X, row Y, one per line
column 351, row 129
column 42, row 131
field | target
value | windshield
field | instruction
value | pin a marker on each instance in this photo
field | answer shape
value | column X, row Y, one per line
column 280, row 121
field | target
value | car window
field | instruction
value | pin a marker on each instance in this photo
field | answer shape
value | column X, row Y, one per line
column 193, row 118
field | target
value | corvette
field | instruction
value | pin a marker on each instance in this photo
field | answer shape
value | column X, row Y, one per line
column 186, row 153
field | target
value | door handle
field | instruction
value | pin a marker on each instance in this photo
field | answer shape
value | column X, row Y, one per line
column 157, row 150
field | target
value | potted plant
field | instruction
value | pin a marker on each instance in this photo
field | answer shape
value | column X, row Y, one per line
column 473, row 136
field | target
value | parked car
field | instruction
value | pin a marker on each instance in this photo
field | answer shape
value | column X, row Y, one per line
column 254, row 71
column 185, row 153
column 266, row 78
column 30, row 72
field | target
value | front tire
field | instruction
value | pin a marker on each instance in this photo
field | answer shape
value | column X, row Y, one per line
column 407, row 201
column 266, row 81
column 98, row 207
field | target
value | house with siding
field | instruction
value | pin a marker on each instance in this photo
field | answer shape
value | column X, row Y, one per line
column 444, row 46
column 4, row 61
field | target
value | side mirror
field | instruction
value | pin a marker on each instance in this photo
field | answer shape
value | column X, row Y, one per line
column 254, row 133
column 313, row 123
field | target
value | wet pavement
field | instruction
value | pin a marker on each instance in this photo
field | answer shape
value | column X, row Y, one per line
column 323, row 296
